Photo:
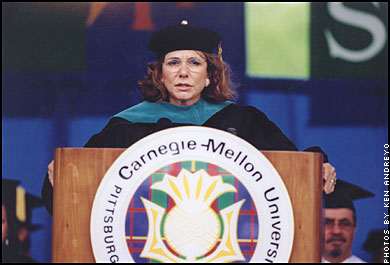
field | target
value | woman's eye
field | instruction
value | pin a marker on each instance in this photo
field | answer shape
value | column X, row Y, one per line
column 173, row 63
column 194, row 62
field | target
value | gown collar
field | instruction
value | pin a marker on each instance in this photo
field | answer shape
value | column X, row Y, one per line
column 151, row 112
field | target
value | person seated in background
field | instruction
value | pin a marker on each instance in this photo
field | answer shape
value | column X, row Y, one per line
column 341, row 223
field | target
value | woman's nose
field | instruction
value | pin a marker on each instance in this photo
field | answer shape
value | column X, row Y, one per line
column 184, row 70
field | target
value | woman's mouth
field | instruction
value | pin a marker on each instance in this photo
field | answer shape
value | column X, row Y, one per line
column 183, row 86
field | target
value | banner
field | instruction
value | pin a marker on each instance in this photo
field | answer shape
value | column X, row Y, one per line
column 349, row 40
column 317, row 40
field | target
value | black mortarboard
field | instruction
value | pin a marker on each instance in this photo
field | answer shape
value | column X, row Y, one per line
column 183, row 37
column 344, row 194
column 19, row 204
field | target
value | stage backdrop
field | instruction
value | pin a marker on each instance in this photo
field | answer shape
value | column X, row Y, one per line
column 318, row 70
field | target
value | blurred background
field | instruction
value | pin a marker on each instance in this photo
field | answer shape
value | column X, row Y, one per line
column 318, row 70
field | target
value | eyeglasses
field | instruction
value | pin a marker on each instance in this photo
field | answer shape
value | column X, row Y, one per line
column 343, row 223
column 194, row 64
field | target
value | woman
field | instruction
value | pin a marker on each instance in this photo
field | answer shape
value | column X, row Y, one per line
column 189, row 85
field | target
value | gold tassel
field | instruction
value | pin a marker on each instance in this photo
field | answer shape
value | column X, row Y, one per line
column 21, row 204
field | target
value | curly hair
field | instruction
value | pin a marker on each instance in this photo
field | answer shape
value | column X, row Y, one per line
column 221, row 87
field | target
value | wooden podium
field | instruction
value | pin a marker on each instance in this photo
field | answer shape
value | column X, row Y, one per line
column 78, row 172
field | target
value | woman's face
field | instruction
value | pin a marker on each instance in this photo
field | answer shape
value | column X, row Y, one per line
column 184, row 74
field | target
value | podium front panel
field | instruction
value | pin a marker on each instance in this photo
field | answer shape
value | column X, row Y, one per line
column 78, row 172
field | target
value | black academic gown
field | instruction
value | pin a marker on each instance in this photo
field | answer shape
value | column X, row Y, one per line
column 246, row 122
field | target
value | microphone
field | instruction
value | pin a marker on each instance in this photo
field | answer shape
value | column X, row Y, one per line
column 162, row 124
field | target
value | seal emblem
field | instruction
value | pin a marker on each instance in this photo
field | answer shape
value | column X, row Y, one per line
column 192, row 228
